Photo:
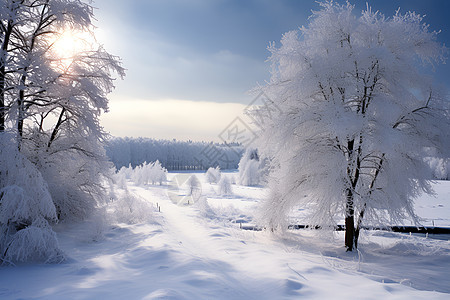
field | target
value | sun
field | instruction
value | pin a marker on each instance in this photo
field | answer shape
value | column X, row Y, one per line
column 68, row 44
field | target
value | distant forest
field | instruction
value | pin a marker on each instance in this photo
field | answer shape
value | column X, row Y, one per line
column 173, row 154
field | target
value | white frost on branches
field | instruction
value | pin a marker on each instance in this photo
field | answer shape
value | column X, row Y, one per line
column 224, row 185
column 358, row 114
column 145, row 174
column 252, row 170
column 213, row 175
column 26, row 208
column 50, row 105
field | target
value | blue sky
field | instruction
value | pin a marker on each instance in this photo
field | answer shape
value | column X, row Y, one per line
column 191, row 62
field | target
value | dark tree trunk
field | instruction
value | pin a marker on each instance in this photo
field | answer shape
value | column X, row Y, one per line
column 363, row 210
column 56, row 129
column 21, row 110
column 349, row 233
column 3, row 59
column 358, row 226
column 349, row 206
column 349, row 222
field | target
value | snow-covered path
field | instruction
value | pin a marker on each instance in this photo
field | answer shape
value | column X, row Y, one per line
column 185, row 252
column 252, row 265
column 230, row 267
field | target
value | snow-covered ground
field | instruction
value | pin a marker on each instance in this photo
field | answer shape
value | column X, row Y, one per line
column 198, row 251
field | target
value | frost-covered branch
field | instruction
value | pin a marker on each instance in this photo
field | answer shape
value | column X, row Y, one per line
column 354, row 129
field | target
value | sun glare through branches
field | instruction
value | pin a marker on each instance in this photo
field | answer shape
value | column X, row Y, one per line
column 68, row 44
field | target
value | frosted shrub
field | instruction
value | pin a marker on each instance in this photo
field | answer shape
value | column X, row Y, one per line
column 158, row 173
column 250, row 174
column 76, row 178
column 148, row 173
column 213, row 175
column 130, row 209
column 224, row 185
column 126, row 172
column 251, row 168
column 138, row 175
column 36, row 242
column 440, row 167
column 120, row 180
column 203, row 206
column 195, row 188
column 26, row 207
column 122, row 176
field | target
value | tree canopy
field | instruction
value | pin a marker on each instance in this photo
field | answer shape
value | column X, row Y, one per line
column 358, row 117
column 54, row 81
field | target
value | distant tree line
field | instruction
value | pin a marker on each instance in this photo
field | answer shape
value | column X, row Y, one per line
column 173, row 154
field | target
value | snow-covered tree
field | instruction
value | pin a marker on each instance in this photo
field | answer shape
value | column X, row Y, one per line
column 147, row 173
column 122, row 176
column 252, row 170
column 51, row 97
column 440, row 168
column 213, row 175
column 224, row 186
column 358, row 112
column 195, row 188
column 158, row 174
column 173, row 154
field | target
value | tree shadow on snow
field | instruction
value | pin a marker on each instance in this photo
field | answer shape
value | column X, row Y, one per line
column 387, row 257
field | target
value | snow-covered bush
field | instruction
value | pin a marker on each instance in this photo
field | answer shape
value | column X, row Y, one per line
column 195, row 188
column 184, row 189
column 138, row 175
column 147, row 173
column 76, row 170
column 36, row 242
column 213, row 175
column 126, row 172
column 252, row 170
column 224, row 186
column 158, row 174
column 130, row 209
column 203, row 206
column 250, row 174
column 26, row 208
column 440, row 167
column 120, row 178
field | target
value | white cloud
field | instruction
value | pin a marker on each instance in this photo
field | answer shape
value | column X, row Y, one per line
column 160, row 67
column 167, row 119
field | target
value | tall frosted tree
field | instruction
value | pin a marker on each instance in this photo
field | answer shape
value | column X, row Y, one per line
column 358, row 114
column 54, row 81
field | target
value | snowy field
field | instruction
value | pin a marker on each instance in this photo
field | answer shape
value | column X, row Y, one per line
column 198, row 251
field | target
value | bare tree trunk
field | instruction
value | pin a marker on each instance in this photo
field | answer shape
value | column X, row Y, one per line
column 358, row 225
column 56, row 129
column 349, row 222
column 23, row 79
column 349, row 206
column 3, row 58
column 21, row 109
column 363, row 210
